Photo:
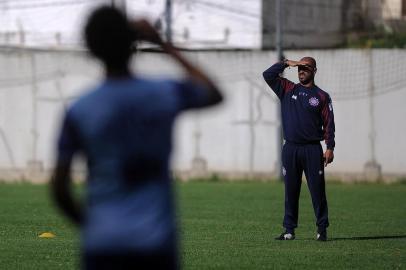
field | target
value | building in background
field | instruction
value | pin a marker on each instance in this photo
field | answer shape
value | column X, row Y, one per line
column 329, row 24
column 196, row 24
column 209, row 24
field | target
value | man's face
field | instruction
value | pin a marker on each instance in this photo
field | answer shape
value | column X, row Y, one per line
column 306, row 73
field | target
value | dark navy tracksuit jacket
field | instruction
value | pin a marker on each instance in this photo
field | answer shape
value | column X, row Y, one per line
column 307, row 119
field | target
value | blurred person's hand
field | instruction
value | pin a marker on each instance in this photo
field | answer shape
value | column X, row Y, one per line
column 145, row 31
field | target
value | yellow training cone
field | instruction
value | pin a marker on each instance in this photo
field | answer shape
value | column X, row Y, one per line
column 47, row 235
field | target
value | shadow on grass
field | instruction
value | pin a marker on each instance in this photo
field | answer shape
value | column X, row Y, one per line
column 367, row 237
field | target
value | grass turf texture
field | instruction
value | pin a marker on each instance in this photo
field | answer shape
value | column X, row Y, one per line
column 229, row 226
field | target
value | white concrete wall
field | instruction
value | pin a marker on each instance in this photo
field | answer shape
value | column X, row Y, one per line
column 237, row 137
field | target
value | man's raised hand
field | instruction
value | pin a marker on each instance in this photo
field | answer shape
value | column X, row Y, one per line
column 292, row 63
column 145, row 31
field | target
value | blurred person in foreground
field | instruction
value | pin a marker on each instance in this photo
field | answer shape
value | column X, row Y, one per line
column 124, row 129
column 307, row 118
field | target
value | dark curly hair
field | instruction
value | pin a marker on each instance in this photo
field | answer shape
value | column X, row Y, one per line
column 109, row 37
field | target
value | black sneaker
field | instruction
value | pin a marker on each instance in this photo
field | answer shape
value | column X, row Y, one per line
column 321, row 236
column 286, row 236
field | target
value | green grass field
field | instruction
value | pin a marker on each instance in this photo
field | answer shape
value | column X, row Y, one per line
column 229, row 226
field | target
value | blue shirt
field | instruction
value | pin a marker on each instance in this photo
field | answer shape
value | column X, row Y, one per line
column 124, row 129
column 307, row 113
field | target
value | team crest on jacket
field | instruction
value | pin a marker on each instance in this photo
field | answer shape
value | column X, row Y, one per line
column 313, row 101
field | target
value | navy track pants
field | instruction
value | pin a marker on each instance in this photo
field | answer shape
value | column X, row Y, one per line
column 307, row 158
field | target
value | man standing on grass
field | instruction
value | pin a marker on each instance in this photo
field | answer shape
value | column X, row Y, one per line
column 307, row 118
column 124, row 129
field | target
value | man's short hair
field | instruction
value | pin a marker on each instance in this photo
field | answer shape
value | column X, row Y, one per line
column 109, row 37
column 311, row 60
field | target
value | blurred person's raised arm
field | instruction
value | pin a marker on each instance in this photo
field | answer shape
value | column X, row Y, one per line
column 148, row 33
